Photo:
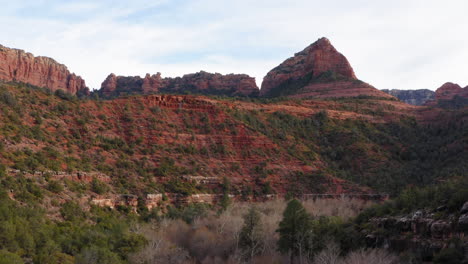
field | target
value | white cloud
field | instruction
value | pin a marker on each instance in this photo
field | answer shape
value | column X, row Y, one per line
column 391, row 44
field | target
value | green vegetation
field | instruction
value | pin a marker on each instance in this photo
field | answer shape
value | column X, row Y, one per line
column 451, row 195
column 146, row 150
column 295, row 231
column 250, row 238
column 99, row 187
column 387, row 157
column 26, row 233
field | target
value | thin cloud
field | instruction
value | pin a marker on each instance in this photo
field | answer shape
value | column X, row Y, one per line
column 397, row 44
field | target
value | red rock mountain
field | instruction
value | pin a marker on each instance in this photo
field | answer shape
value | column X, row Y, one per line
column 449, row 90
column 450, row 95
column 201, row 82
column 18, row 65
column 317, row 71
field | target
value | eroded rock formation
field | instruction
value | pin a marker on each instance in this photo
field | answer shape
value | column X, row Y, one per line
column 450, row 95
column 422, row 231
column 198, row 83
column 317, row 71
column 20, row 66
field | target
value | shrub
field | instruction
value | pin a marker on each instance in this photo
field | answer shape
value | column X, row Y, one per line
column 98, row 186
column 9, row 258
column 55, row 187
column 64, row 95
column 449, row 256
column 71, row 211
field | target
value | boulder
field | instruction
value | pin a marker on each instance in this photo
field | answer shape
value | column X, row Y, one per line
column 464, row 208
column 440, row 229
column 463, row 222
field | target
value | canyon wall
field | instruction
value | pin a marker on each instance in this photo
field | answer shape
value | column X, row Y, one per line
column 20, row 66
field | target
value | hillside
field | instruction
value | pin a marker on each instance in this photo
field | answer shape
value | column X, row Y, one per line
column 140, row 154
column 167, row 170
column 258, row 145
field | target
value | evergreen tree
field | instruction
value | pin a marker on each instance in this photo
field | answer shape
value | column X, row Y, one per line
column 225, row 199
column 250, row 239
column 295, row 230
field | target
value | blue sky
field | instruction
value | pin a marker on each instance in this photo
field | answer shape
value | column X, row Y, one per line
column 390, row 44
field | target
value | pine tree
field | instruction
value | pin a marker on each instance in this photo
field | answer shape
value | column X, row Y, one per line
column 250, row 239
column 295, row 231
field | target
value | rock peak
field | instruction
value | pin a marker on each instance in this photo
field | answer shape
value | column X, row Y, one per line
column 318, row 62
column 450, row 95
column 323, row 41
column 450, row 86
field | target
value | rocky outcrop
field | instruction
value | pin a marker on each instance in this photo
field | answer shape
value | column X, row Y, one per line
column 449, row 90
column 423, row 232
column 413, row 97
column 317, row 71
column 450, row 95
column 19, row 66
column 198, row 83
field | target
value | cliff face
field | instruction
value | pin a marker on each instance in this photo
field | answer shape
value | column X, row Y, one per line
column 450, row 95
column 423, row 231
column 413, row 97
column 20, row 66
column 317, row 71
column 201, row 83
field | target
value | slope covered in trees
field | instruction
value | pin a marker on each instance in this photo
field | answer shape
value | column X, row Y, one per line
column 63, row 159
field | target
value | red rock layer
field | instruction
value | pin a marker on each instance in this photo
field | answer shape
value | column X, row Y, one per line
column 20, row 66
column 201, row 82
column 447, row 92
column 340, row 89
column 317, row 71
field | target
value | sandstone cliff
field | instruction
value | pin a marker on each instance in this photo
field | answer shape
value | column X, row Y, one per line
column 413, row 97
column 317, row 71
column 198, row 83
column 20, row 66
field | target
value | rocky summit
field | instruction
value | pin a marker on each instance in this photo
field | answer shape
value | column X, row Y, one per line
column 20, row 66
column 450, row 95
column 196, row 83
column 317, row 71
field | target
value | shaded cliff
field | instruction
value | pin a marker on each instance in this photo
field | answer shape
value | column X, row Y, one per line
column 20, row 66
column 413, row 97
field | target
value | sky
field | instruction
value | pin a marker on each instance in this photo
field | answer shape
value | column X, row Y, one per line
column 398, row 44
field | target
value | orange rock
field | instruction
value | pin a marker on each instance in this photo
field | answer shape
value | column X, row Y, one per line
column 17, row 65
column 201, row 83
column 317, row 71
column 448, row 91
